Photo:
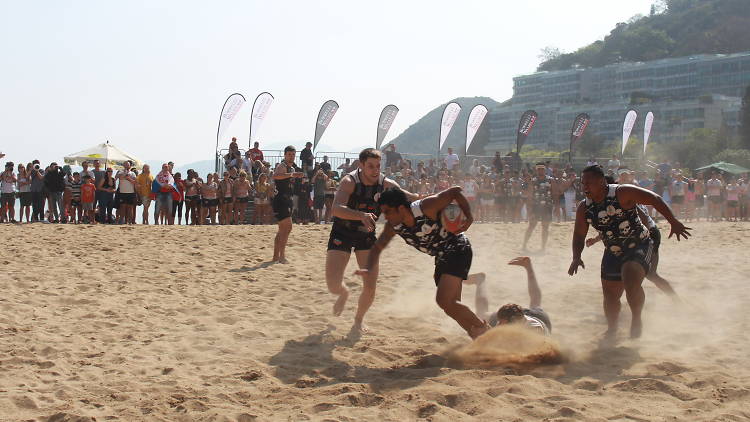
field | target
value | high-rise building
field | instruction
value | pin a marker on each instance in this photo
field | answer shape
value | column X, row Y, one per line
column 684, row 93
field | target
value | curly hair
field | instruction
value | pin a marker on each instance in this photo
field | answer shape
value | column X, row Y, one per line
column 509, row 312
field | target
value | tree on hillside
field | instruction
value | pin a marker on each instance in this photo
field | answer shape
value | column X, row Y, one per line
column 745, row 120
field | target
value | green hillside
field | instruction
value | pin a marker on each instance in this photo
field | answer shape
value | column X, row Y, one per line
column 422, row 136
column 674, row 28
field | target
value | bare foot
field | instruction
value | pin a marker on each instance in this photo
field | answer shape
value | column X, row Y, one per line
column 636, row 328
column 282, row 261
column 360, row 327
column 521, row 260
column 338, row 307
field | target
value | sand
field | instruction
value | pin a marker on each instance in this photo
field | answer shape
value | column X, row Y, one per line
column 190, row 323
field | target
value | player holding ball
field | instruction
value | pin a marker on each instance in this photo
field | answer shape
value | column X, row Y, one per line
column 422, row 224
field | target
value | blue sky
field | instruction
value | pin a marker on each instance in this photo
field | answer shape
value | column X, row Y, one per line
column 151, row 76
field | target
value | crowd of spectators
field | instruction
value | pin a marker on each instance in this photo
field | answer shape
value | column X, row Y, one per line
column 500, row 190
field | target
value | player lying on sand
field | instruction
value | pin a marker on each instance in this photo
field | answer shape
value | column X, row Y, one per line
column 419, row 224
column 534, row 316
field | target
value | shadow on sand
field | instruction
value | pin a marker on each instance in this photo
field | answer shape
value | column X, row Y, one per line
column 309, row 362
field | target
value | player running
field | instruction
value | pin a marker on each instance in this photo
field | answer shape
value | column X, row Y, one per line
column 612, row 210
column 355, row 210
column 419, row 224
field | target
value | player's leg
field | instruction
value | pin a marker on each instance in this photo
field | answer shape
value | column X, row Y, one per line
column 368, row 289
column 336, row 261
column 481, row 298
column 632, row 278
column 448, row 297
column 529, row 229
column 282, row 236
column 545, row 233
column 612, row 292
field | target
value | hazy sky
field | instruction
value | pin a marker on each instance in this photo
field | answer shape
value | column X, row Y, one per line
column 151, row 76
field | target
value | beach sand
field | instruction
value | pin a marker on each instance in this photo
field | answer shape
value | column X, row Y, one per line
column 191, row 323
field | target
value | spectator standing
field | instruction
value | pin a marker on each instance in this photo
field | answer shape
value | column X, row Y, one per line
column 76, row 212
column 714, row 187
column 24, row 192
column 143, row 183
column 88, row 198
column 104, row 196
column 262, row 200
column 177, row 204
column 325, row 165
column 126, row 186
column 319, row 182
column 164, row 196
column 255, row 153
column 451, row 160
column 392, row 158
column 37, row 192
column 86, row 171
column 613, row 164
column 307, row 158
column 8, row 193
column 54, row 181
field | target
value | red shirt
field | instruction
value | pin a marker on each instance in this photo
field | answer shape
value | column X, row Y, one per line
column 256, row 154
column 88, row 193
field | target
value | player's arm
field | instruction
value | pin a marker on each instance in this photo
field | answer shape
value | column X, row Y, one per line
column 579, row 238
column 535, row 293
column 341, row 198
column 432, row 205
column 280, row 173
column 630, row 195
column 388, row 183
column 373, row 257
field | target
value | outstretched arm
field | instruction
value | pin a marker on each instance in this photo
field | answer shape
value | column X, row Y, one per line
column 630, row 196
column 373, row 257
column 535, row 293
column 388, row 183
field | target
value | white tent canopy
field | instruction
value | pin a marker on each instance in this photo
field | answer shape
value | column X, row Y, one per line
column 108, row 154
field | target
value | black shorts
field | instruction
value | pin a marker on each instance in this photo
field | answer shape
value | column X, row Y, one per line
column 193, row 198
column 455, row 262
column 75, row 203
column 127, row 198
column 541, row 212
column 731, row 203
column 715, row 199
column 655, row 237
column 25, row 199
column 318, row 202
column 242, row 200
column 678, row 199
column 282, row 207
column 699, row 201
column 339, row 241
column 210, row 202
column 8, row 198
column 641, row 253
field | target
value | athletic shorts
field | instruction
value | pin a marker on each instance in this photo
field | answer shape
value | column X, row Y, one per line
column 678, row 199
column 318, row 202
column 210, row 202
column 699, row 201
column 655, row 235
column 282, row 207
column 127, row 198
column 541, row 212
column 339, row 241
column 731, row 203
column 193, row 198
column 75, row 203
column 8, row 198
column 227, row 200
column 539, row 314
column 455, row 261
column 715, row 199
column 88, row 206
column 642, row 253
column 242, row 200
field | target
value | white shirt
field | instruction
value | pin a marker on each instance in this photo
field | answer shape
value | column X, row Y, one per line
column 451, row 160
column 714, row 187
column 126, row 186
column 613, row 164
column 88, row 172
column 6, row 185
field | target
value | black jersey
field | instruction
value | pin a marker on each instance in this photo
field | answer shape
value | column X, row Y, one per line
column 542, row 190
column 429, row 236
column 284, row 186
column 364, row 198
column 620, row 229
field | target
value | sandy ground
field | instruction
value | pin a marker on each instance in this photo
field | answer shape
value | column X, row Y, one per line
column 186, row 323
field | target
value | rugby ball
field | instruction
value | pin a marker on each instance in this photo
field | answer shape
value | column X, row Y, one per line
column 452, row 218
